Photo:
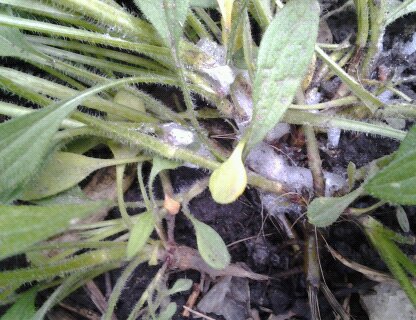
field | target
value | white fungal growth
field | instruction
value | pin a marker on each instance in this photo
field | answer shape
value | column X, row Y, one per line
column 334, row 134
column 217, row 69
column 177, row 135
column 410, row 46
column 266, row 162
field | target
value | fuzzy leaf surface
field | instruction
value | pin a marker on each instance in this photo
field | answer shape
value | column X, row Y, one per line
column 25, row 141
column 140, row 233
column 324, row 211
column 167, row 16
column 398, row 11
column 211, row 247
column 285, row 52
column 397, row 181
column 23, row 226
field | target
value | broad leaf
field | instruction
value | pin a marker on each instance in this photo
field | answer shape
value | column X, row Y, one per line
column 402, row 219
column 169, row 312
column 62, row 172
column 324, row 211
column 23, row 226
column 140, row 233
column 229, row 180
column 397, row 181
column 167, row 16
column 25, row 141
column 211, row 247
column 204, row 3
column 23, row 308
column 285, row 52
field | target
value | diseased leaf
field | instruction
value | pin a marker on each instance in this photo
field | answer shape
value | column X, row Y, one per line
column 23, row 308
column 23, row 226
column 229, row 180
column 167, row 16
column 25, row 141
column 62, row 172
column 324, row 211
column 181, row 285
column 140, row 233
column 285, row 52
column 211, row 247
column 397, row 181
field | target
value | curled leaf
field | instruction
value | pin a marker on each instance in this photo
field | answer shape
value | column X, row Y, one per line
column 228, row 181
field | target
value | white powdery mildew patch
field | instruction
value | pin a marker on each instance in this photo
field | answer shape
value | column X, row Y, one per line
column 266, row 162
column 217, row 69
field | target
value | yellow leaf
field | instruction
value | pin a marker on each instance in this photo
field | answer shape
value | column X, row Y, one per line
column 228, row 181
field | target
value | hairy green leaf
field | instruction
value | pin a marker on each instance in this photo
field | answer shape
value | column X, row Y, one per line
column 397, row 181
column 82, row 262
column 169, row 312
column 211, row 246
column 167, row 16
column 285, row 52
column 324, row 211
column 140, row 233
column 62, row 172
column 25, row 141
column 23, row 226
column 23, row 308
column 204, row 3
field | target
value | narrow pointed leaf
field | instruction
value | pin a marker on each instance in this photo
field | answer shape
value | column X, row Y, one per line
column 324, row 211
column 140, row 233
column 285, row 53
column 62, row 172
column 23, row 226
column 25, row 141
column 211, row 247
column 167, row 16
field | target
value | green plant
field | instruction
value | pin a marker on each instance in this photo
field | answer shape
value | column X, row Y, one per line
column 96, row 54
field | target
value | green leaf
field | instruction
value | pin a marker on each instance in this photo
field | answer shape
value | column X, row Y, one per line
column 25, row 141
column 285, row 52
column 14, row 44
column 140, row 233
column 204, row 3
column 159, row 164
column 402, row 219
column 397, row 181
column 229, row 180
column 167, row 16
column 62, row 172
column 23, row 308
column 169, row 312
column 180, row 285
column 324, row 211
column 400, row 10
column 23, row 226
column 210, row 245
